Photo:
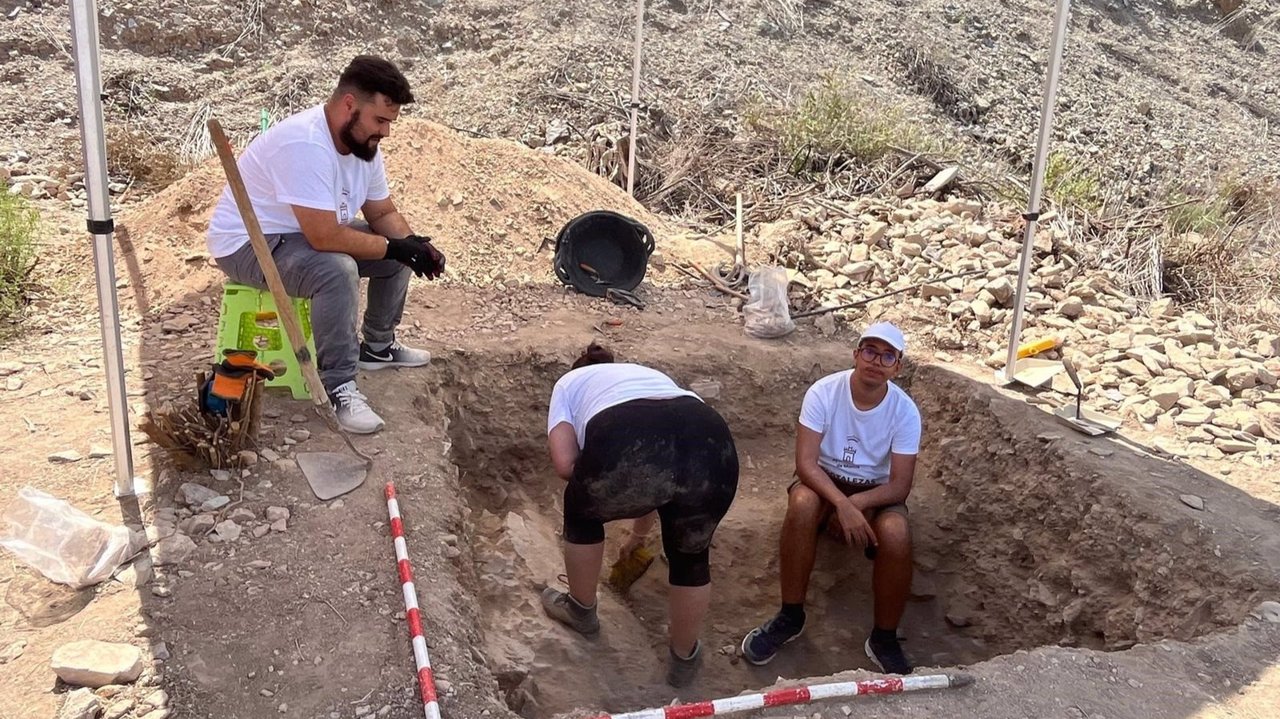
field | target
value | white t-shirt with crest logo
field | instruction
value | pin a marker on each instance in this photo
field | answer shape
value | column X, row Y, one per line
column 856, row 444
column 295, row 163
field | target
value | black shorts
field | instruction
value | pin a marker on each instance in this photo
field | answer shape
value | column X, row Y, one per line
column 675, row 456
column 849, row 490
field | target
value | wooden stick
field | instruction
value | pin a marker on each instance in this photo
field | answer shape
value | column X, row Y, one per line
column 284, row 303
column 740, row 259
column 918, row 285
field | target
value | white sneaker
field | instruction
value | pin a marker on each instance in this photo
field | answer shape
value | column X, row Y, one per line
column 352, row 408
column 395, row 355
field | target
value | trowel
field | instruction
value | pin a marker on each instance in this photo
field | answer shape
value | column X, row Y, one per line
column 330, row 474
column 1079, row 418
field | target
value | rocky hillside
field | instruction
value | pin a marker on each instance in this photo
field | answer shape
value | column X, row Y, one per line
column 1156, row 95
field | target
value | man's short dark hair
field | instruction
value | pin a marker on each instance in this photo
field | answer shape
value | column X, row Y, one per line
column 369, row 74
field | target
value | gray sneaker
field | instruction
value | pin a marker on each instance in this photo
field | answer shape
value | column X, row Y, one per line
column 681, row 671
column 353, row 410
column 566, row 610
column 393, row 355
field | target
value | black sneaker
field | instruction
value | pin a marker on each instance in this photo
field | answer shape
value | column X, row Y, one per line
column 887, row 654
column 762, row 643
column 394, row 355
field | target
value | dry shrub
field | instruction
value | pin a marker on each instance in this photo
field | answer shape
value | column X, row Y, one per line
column 931, row 78
column 787, row 16
column 699, row 172
column 1222, row 254
column 140, row 158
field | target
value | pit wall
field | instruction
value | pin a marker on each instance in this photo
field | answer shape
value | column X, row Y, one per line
column 1073, row 540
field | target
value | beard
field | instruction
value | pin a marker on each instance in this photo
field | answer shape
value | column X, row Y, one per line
column 366, row 150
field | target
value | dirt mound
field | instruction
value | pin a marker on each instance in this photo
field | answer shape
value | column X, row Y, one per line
column 493, row 206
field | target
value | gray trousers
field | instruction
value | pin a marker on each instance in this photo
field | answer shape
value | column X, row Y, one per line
column 331, row 280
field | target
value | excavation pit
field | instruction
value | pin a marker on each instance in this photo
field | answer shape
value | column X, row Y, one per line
column 1026, row 534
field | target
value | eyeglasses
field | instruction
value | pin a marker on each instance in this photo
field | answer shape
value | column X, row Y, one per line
column 887, row 358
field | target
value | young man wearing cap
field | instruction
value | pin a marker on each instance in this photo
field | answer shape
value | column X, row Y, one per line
column 856, row 446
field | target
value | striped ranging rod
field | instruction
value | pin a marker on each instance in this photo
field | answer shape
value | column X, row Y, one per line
column 797, row 695
column 426, row 682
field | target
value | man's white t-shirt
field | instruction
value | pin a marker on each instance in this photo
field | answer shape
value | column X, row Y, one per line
column 856, row 444
column 295, row 163
column 584, row 392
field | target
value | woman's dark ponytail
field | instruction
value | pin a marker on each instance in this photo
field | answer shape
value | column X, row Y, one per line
column 594, row 354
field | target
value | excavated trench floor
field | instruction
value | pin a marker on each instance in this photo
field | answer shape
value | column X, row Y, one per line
column 1026, row 534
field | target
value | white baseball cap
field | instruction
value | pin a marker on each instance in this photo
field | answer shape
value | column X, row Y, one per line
column 888, row 332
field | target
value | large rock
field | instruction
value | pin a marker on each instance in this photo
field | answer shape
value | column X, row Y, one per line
column 1134, row 368
column 1152, row 359
column 1188, row 333
column 1194, row 416
column 934, row 289
column 1167, row 391
column 1234, row 446
column 981, row 311
column 226, row 531
column 91, row 663
column 80, row 704
column 1268, row 346
column 1072, row 307
column 194, row 495
column 1239, row 379
column 1145, row 411
column 874, row 232
column 173, row 549
column 1239, row 419
column 1163, row 307
column 1001, row 289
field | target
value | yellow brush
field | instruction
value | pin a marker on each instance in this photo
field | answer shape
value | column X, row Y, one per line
column 629, row 569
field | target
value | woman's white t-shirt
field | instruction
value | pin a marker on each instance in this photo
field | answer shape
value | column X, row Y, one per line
column 295, row 163
column 584, row 392
column 856, row 444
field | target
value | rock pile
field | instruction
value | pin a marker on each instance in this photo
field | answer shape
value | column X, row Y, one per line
column 1148, row 360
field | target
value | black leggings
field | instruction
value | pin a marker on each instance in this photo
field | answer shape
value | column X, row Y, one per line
column 672, row 455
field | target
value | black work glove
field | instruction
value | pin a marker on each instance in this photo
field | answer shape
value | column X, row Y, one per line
column 436, row 266
column 413, row 254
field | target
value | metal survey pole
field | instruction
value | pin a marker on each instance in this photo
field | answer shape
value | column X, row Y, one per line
column 635, row 100
column 1032, row 215
column 84, row 40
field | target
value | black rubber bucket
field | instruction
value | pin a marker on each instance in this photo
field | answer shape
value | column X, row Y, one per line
column 602, row 250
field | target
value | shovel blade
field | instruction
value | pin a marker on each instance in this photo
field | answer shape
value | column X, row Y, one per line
column 332, row 474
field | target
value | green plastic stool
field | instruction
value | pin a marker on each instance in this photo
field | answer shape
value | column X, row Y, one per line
column 248, row 321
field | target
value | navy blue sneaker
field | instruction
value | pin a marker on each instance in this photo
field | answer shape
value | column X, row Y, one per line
column 762, row 643
column 888, row 655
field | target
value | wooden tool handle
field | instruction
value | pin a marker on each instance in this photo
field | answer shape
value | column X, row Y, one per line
column 284, row 303
column 1071, row 372
column 740, row 250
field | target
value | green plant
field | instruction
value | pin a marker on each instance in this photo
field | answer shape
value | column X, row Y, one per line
column 19, row 223
column 1072, row 183
column 831, row 127
column 1205, row 217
